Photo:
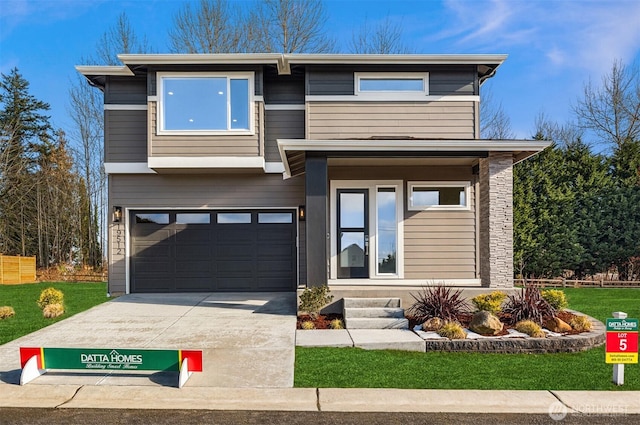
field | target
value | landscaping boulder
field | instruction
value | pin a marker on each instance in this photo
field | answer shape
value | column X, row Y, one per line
column 485, row 323
column 557, row 325
column 433, row 324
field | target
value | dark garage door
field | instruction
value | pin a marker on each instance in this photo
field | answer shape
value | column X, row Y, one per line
column 201, row 251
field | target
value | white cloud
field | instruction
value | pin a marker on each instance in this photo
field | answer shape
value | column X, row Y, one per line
column 574, row 34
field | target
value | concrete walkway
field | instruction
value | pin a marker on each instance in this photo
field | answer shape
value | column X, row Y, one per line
column 247, row 340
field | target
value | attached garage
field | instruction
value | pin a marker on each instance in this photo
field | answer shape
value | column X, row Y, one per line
column 222, row 250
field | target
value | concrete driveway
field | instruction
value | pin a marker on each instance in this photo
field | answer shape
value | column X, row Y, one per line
column 247, row 339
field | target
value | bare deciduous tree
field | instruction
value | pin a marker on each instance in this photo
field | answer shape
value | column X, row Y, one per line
column 210, row 27
column 383, row 38
column 494, row 121
column 120, row 38
column 266, row 26
column 612, row 110
column 290, row 26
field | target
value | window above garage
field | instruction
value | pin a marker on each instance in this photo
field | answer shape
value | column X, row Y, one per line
column 205, row 103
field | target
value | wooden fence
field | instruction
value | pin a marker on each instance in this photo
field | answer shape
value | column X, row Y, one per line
column 17, row 270
column 570, row 283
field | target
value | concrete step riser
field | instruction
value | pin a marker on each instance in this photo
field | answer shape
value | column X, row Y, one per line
column 377, row 312
column 371, row 302
column 380, row 323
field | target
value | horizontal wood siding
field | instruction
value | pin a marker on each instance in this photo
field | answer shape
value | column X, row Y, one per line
column 281, row 125
column 125, row 136
column 440, row 244
column 194, row 145
column 348, row 120
column 126, row 90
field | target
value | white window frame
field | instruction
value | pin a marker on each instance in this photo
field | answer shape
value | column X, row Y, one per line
column 427, row 184
column 392, row 94
column 250, row 76
column 372, row 186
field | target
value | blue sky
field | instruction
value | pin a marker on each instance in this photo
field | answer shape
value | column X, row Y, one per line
column 554, row 46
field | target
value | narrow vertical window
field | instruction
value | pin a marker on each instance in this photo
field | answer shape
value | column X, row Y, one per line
column 387, row 230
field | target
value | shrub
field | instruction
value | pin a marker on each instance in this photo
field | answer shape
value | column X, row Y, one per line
column 556, row 298
column 307, row 325
column 490, row 302
column 452, row 330
column 438, row 301
column 530, row 328
column 6, row 312
column 336, row 324
column 52, row 310
column 313, row 299
column 581, row 323
column 528, row 305
column 50, row 296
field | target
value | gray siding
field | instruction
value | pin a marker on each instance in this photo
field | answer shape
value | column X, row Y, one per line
column 281, row 125
column 330, row 82
column 125, row 136
column 284, row 89
column 451, row 83
column 442, row 80
column 196, row 191
column 437, row 244
column 126, row 90
column 212, row 145
column 345, row 120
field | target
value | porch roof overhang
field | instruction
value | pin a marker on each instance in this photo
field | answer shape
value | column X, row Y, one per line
column 293, row 152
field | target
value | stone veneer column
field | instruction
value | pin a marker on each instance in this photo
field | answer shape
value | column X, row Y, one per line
column 496, row 220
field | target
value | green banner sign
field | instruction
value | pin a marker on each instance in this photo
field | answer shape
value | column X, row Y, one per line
column 622, row 325
column 110, row 359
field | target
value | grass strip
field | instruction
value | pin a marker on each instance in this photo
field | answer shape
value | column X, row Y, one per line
column 356, row 368
column 78, row 297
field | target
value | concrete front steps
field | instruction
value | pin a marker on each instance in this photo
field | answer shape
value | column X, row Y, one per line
column 374, row 313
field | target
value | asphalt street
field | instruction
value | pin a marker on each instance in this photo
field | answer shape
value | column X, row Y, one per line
column 172, row 417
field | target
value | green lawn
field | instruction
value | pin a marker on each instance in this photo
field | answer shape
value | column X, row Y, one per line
column 28, row 318
column 356, row 368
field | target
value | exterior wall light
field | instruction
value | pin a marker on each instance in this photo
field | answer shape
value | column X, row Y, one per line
column 302, row 213
column 117, row 214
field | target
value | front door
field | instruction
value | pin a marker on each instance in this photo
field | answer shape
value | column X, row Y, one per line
column 353, row 233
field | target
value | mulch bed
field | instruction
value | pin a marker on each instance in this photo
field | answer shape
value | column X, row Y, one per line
column 465, row 319
column 322, row 322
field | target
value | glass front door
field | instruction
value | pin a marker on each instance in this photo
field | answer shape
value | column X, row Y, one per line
column 353, row 233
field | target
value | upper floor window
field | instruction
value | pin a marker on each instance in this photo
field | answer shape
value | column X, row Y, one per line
column 399, row 85
column 438, row 195
column 205, row 103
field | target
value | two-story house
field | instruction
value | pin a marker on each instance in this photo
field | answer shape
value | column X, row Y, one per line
column 271, row 172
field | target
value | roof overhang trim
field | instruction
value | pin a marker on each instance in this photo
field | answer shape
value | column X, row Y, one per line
column 293, row 150
column 283, row 62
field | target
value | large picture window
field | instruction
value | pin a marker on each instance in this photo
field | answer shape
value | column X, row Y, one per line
column 205, row 103
column 438, row 195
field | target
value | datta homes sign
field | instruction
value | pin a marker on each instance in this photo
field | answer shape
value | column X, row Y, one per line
column 42, row 359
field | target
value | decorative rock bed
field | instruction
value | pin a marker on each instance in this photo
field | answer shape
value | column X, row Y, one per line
column 519, row 343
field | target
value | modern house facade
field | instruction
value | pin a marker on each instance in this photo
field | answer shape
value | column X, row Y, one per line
column 271, row 172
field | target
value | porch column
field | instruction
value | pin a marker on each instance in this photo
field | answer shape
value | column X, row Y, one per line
column 317, row 190
column 496, row 220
